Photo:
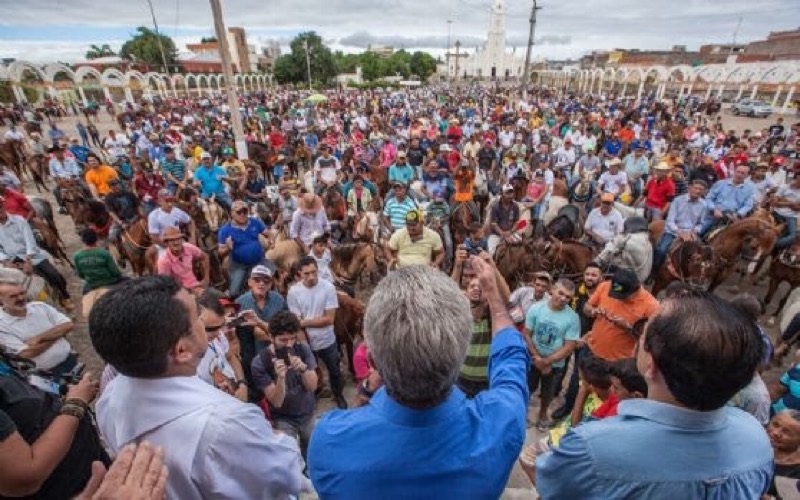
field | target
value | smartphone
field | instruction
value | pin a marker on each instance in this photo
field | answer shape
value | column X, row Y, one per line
column 44, row 384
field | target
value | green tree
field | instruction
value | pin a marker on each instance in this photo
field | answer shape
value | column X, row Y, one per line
column 291, row 68
column 97, row 51
column 144, row 48
column 422, row 64
column 208, row 39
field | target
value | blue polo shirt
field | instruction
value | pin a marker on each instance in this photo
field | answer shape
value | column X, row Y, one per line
column 272, row 305
column 657, row 450
column 210, row 180
column 461, row 448
column 246, row 248
column 613, row 147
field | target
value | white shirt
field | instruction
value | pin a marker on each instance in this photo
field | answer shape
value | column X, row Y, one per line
column 14, row 331
column 613, row 182
column 309, row 303
column 214, row 445
column 564, row 157
column 17, row 240
column 777, row 177
column 13, row 135
column 327, row 168
column 116, row 147
column 214, row 361
column 158, row 221
column 604, row 226
column 324, row 264
column 506, row 138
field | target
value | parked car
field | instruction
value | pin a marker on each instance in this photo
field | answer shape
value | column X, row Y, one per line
column 751, row 107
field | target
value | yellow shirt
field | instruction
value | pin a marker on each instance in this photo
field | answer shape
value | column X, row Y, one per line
column 198, row 150
column 413, row 253
column 100, row 177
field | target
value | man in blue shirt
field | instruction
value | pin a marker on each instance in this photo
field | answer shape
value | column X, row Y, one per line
column 612, row 146
column 684, row 221
column 730, row 198
column 401, row 171
column 420, row 437
column 210, row 179
column 240, row 238
column 683, row 441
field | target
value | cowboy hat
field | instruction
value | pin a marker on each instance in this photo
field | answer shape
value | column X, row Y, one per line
column 662, row 166
column 310, row 203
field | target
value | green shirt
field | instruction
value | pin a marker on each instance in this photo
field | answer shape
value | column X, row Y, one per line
column 97, row 267
column 476, row 365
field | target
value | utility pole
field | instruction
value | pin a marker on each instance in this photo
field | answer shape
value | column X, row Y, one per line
column 227, row 70
column 526, row 69
column 308, row 62
column 458, row 47
column 158, row 37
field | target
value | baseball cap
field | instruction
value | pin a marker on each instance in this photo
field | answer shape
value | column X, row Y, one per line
column 624, row 283
column 401, row 154
column 607, row 197
column 165, row 193
column 414, row 216
column 613, row 161
column 226, row 302
column 204, row 155
column 543, row 275
column 507, row 188
column 261, row 271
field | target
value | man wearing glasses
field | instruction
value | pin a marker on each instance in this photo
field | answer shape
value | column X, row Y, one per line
column 240, row 238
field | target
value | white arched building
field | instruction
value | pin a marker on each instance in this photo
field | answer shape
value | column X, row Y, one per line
column 492, row 60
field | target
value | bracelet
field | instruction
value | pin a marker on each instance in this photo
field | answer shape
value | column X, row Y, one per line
column 72, row 410
column 77, row 402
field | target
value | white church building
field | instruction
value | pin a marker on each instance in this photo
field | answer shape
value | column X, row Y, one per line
column 492, row 61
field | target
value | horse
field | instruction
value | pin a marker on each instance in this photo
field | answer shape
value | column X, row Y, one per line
column 38, row 170
column 562, row 258
column 348, row 323
column 691, row 262
column 336, row 211
column 11, row 155
column 285, row 254
column 780, row 271
column 75, row 200
column 44, row 227
column 259, row 153
column 748, row 240
column 514, row 262
column 133, row 243
column 460, row 221
column 352, row 261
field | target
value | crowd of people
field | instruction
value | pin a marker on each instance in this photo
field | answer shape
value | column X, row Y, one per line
column 218, row 362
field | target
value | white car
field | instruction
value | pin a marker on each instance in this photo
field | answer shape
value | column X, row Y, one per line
column 751, row 107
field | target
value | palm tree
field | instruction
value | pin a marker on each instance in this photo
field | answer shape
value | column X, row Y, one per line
column 96, row 51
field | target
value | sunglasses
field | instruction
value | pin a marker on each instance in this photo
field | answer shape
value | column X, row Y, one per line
column 262, row 280
column 242, row 211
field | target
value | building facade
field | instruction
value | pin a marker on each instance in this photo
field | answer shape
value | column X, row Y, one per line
column 492, row 61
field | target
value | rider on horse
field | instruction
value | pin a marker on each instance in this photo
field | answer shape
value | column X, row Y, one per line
column 729, row 200
column 786, row 205
column 631, row 249
column 684, row 221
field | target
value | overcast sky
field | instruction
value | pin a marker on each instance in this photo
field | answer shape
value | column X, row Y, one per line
column 50, row 30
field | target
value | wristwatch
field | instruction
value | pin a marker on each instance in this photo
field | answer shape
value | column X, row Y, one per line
column 363, row 389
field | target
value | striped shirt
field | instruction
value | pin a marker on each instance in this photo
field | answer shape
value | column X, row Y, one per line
column 476, row 365
column 396, row 211
column 175, row 168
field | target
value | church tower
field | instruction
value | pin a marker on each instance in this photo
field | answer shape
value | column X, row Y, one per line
column 496, row 39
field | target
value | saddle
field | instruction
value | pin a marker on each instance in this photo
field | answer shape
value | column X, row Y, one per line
column 791, row 256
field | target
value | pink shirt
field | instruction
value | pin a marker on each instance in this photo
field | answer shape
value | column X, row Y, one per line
column 360, row 362
column 180, row 266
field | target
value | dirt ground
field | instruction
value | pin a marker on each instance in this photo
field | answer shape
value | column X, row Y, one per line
column 518, row 484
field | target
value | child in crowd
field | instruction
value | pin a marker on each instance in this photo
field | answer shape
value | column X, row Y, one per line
column 626, row 383
column 476, row 243
column 595, row 375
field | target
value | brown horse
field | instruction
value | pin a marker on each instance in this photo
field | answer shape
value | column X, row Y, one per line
column 780, row 271
column 562, row 258
column 515, row 262
column 133, row 244
column 259, row 152
column 12, row 157
column 75, row 200
column 336, row 211
column 748, row 241
column 38, row 170
column 348, row 324
column 352, row 261
column 460, row 221
column 691, row 262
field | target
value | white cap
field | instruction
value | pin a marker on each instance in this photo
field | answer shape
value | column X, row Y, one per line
column 204, row 155
column 507, row 187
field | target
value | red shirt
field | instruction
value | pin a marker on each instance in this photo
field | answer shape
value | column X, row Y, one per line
column 276, row 139
column 659, row 192
column 608, row 408
column 16, row 203
column 148, row 187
